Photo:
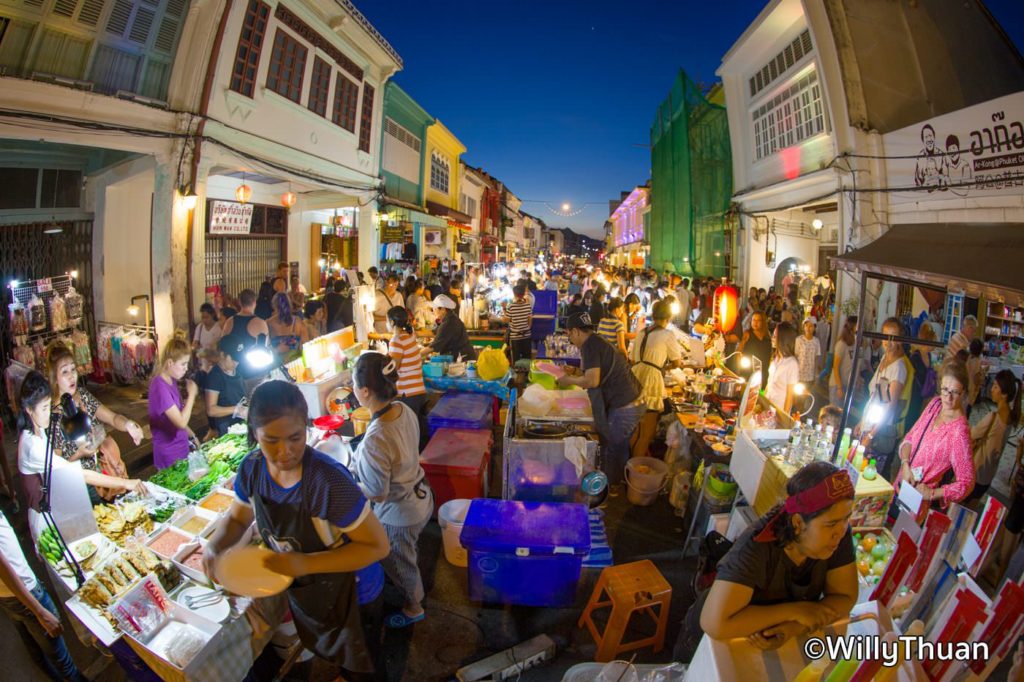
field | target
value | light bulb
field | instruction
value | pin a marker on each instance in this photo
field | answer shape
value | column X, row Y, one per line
column 133, row 310
column 817, row 224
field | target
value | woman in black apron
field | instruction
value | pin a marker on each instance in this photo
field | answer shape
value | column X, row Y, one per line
column 308, row 510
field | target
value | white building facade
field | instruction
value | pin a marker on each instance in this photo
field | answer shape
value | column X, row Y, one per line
column 826, row 97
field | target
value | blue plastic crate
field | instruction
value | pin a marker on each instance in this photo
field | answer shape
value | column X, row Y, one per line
column 461, row 411
column 526, row 553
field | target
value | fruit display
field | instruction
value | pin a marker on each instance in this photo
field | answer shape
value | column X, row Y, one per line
column 873, row 552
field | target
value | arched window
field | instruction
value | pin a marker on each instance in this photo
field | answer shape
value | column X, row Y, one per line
column 439, row 170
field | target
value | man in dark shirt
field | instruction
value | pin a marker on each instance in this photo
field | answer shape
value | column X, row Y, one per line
column 225, row 388
column 450, row 337
column 613, row 390
column 597, row 304
column 339, row 306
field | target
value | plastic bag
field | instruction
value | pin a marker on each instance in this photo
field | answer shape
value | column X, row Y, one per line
column 36, row 314
column 536, row 401
column 58, row 314
column 73, row 303
column 491, row 364
column 197, row 464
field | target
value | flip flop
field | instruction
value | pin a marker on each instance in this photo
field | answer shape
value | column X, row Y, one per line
column 399, row 620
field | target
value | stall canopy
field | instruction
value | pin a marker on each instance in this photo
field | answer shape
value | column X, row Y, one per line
column 980, row 259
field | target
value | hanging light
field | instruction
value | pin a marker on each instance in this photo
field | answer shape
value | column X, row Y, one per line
column 289, row 198
column 243, row 192
column 189, row 199
column 726, row 308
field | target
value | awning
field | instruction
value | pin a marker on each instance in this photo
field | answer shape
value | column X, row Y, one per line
column 441, row 210
column 980, row 259
column 410, row 212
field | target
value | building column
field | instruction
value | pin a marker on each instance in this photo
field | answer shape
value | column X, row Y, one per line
column 369, row 236
column 169, row 240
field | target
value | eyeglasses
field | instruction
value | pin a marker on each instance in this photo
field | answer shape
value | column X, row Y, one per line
column 950, row 392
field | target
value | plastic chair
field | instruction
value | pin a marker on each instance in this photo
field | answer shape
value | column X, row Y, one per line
column 632, row 587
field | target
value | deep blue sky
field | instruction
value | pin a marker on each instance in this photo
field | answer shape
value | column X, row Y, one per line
column 551, row 96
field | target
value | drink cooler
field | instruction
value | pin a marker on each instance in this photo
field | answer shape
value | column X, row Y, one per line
column 526, row 553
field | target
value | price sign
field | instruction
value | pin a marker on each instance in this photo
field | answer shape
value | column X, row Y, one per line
column 44, row 285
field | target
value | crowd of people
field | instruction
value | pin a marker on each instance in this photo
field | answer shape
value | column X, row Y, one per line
column 909, row 407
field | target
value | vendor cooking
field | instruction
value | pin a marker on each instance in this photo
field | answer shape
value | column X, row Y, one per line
column 450, row 337
column 309, row 510
column 613, row 390
column 792, row 573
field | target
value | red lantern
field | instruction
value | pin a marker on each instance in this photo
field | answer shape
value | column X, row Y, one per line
column 288, row 199
column 243, row 193
column 727, row 308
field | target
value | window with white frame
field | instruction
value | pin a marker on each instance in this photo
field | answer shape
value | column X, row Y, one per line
column 439, row 171
column 790, row 117
column 467, row 204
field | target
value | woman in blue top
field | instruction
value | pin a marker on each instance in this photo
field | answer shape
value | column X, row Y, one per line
column 311, row 513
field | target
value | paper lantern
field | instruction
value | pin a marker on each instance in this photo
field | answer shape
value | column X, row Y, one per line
column 727, row 308
column 243, row 193
column 288, row 199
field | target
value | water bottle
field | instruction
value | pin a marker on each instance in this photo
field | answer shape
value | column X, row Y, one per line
column 795, row 436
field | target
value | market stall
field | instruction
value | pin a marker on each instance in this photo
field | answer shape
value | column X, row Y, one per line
column 141, row 568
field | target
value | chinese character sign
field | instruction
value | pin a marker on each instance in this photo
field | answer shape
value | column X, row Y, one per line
column 230, row 217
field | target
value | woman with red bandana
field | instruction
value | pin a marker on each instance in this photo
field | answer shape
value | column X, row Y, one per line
column 792, row 573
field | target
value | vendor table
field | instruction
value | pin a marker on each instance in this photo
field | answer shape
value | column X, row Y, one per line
column 736, row 660
column 541, row 355
column 762, row 480
column 497, row 387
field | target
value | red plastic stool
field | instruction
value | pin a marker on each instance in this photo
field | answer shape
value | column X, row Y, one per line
column 636, row 586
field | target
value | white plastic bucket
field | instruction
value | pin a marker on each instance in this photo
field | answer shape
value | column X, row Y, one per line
column 451, row 516
column 644, row 478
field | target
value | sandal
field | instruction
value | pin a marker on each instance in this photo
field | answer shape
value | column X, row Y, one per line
column 399, row 620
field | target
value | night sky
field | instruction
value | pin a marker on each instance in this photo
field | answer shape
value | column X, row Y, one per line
column 553, row 96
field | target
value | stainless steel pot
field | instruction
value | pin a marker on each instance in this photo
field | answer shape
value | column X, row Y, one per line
column 729, row 388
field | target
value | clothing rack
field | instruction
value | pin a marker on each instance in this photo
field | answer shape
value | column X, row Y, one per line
column 126, row 352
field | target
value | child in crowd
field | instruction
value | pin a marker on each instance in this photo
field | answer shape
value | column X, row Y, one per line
column 830, row 415
column 808, row 350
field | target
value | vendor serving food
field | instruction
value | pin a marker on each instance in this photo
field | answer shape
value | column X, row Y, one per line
column 310, row 512
column 790, row 574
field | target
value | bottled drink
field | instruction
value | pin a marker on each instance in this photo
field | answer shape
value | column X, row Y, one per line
column 844, row 443
column 795, row 436
column 870, row 471
column 858, row 458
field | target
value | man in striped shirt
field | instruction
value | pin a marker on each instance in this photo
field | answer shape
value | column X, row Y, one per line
column 519, row 317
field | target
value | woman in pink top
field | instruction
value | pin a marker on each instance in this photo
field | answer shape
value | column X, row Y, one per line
column 940, row 442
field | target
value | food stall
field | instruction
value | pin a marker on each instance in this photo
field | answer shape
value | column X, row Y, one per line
column 141, row 560
column 323, row 367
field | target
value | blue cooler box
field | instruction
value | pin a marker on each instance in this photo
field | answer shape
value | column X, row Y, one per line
column 526, row 553
column 461, row 411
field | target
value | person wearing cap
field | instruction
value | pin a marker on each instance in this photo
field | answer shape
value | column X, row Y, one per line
column 450, row 337
column 225, row 390
column 613, row 391
column 808, row 350
column 791, row 573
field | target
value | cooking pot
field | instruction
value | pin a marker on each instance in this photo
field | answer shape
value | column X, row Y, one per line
column 728, row 387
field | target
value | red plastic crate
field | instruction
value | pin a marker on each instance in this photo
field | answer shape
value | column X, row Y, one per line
column 456, row 462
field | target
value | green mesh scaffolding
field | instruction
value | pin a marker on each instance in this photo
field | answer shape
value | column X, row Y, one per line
column 691, row 183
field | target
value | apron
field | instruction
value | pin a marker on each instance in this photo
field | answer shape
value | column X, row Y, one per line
column 324, row 606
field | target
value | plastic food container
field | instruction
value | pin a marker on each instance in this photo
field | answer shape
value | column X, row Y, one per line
column 526, row 553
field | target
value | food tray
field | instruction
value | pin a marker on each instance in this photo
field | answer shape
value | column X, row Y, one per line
column 182, row 555
column 192, row 521
column 211, row 502
column 155, row 540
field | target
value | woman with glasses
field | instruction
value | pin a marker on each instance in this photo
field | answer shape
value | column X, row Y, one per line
column 935, row 457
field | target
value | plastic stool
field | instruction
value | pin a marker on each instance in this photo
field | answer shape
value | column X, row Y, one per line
column 636, row 586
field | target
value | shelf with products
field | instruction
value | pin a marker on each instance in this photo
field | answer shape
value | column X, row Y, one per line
column 1003, row 321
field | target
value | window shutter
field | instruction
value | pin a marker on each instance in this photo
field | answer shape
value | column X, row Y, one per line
column 61, row 54
column 65, row 8
column 167, row 35
column 90, row 12
column 14, row 46
column 119, row 16
column 114, row 70
column 156, row 78
column 141, row 25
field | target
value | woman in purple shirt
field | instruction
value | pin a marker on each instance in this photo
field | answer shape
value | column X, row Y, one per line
column 168, row 414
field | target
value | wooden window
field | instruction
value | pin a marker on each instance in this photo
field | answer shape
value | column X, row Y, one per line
column 250, row 44
column 287, row 65
column 366, row 118
column 319, row 87
column 346, row 95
